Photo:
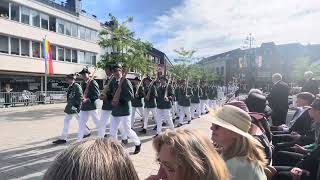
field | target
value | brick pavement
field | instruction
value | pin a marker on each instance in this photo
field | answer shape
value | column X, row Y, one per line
column 26, row 150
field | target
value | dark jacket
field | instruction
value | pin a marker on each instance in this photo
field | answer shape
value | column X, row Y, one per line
column 213, row 93
column 137, row 100
column 205, row 93
column 311, row 86
column 93, row 95
column 74, row 99
column 126, row 95
column 197, row 92
column 106, row 102
column 302, row 121
column 185, row 98
column 151, row 102
column 278, row 97
column 161, row 103
column 310, row 162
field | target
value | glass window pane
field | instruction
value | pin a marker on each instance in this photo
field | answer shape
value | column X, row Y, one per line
column 60, row 26
column 35, row 18
column 88, row 34
column 25, row 14
column 4, row 44
column 53, row 52
column 36, row 49
column 93, row 35
column 15, row 12
column 68, row 55
column 15, row 48
column 74, row 56
column 93, row 59
column 52, row 23
column 44, row 21
column 4, row 9
column 81, row 57
column 74, row 30
column 82, row 32
column 68, row 28
column 60, row 54
column 87, row 57
column 25, row 46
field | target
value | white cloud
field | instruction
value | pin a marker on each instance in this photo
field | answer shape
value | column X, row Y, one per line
column 214, row 26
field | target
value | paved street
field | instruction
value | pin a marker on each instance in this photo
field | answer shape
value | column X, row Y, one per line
column 26, row 150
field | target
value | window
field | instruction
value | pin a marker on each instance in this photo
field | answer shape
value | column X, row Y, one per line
column 52, row 23
column 25, row 15
column 93, row 59
column 68, row 28
column 15, row 47
column 60, row 54
column 25, row 47
column 222, row 70
column 81, row 57
column 54, row 52
column 74, row 56
column 68, row 55
column 4, row 44
column 35, row 17
column 74, row 30
column 15, row 12
column 87, row 58
column 82, row 31
column 60, row 26
column 4, row 9
column 35, row 49
column 88, row 34
column 44, row 21
column 93, row 35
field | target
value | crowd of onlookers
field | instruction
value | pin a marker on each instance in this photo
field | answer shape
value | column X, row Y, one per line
column 247, row 143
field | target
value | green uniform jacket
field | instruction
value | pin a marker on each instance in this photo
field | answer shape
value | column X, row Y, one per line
column 137, row 100
column 151, row 103
column 93, row 95
column 184, row 99
column 205, row 93
column 106, row 102
column 196, row 94
column 213, row 93
column 126, row 95
column 176, row 93
column 161, row 103
column 74, row 99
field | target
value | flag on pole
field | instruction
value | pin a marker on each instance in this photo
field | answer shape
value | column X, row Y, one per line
column 47, row 56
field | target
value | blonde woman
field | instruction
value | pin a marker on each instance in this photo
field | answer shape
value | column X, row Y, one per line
column 187, row 154
column 243, row 154
column 95, row 159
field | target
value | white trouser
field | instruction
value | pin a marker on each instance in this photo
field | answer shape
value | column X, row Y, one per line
column 163, row 115
column 133, row 115
column 67, row 119
column 104, row 120
column 146, row 116
column 126, row 123
column 204, row 106
column 212, row 103
column 195, row 107
column 84, row 116
column 184, row 110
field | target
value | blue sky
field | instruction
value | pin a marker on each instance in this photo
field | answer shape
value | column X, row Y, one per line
column 214, row 26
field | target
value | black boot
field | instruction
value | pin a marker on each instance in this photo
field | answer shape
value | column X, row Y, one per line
column 164, row 124
column 143, row 131
column 137, row 150
column 179, row 125
column 189, row 122
column 155, row 128
column 125, row 141
column 59, row 141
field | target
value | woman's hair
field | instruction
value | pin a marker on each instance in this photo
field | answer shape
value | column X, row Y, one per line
column 195, row 155
column 245, row 148
column 94, row 159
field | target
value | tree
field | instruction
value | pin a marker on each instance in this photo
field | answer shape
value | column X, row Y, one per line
column 130, row 52
column 303, row 64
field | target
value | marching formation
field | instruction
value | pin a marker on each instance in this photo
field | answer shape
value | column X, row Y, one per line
column 167, row 100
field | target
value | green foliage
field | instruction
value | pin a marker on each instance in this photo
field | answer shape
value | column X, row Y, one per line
column 303, row 64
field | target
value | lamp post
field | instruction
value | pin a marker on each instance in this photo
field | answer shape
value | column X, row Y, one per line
column 249, row 52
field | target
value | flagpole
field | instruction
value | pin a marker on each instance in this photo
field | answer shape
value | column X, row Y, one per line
column 45, row 74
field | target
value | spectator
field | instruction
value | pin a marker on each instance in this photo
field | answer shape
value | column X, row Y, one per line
column 310, row 84
column 242, row 152
column 92, row 160
column 278, row 100
column 186, row 154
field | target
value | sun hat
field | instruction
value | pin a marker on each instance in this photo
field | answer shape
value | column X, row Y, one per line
column 233, row 119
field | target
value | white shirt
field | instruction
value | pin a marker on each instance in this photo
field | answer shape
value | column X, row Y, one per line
column 241, row 169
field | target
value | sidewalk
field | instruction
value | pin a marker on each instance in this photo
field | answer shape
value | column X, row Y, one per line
column 26, row 150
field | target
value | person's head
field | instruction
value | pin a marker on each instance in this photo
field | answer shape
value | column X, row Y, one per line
column 147, row 81
column 239, row 104
column 230, row 127
column 108, row 70
column 70, row 78
column 276, row 77
column 183, row 82
column 187, row 154
column 90, row 160
column 136, row 81
column 163, row 80
column 258, row 91
column 117, row 71
column 304, row 99
column 314, row 112
column 256, row 102
column 308, row 75
column 85, row 73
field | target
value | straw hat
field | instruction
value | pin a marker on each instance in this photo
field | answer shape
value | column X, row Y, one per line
column 233, row 119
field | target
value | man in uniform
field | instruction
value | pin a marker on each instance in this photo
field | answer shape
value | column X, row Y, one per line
column 213, row 94
column 74, row 98
column 121, row 106
column 204, row 98
column 195, row 101
column 137, row 100
column 184, row 101
column 165, row 94
column 91, row 93
column 150, row 94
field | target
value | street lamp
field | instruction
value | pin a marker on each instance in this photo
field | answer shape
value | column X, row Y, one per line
column 248, row 48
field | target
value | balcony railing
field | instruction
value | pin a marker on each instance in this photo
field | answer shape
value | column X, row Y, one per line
column 59, row 5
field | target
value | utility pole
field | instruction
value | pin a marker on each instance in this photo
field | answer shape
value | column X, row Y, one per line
column 248, row 47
